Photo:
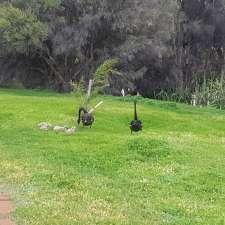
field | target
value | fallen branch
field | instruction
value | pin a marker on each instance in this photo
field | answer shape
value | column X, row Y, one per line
column 93, row 109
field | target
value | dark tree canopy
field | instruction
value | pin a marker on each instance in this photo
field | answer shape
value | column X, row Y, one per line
column 160, row 44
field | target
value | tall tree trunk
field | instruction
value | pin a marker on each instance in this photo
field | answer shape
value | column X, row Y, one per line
column 179, row 49
column 63, row 85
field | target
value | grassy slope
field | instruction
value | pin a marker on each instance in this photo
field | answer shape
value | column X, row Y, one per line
column 171, row 173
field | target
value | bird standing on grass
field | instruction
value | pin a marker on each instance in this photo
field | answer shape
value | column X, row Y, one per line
column 136, row 124
column 86, row 118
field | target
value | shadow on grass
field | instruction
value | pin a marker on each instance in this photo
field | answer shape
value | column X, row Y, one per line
column 31, row 92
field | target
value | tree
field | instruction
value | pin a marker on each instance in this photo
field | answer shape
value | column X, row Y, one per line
column 162, row 45
column 20, row 31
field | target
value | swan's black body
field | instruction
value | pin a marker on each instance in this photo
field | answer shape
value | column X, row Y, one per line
column 86, row 118
column 136, row 124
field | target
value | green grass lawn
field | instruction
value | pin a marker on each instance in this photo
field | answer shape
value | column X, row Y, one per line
column 171, row 173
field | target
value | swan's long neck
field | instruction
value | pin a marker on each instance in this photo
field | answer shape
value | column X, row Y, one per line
column 135, row 110
column 80, row 111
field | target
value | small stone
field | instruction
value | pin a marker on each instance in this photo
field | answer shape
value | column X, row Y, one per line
column 59, row 129
column 44, row 126
column 70, row 131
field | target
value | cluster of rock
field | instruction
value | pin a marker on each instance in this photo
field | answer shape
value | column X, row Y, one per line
column 58, row 129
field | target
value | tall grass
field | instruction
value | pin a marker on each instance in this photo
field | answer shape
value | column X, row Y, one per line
column 206, row 92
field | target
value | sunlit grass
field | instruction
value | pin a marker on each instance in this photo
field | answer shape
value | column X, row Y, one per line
column 171, row 173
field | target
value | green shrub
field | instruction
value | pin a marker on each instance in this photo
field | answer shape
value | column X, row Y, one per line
column 104, row 72
column 217, row 94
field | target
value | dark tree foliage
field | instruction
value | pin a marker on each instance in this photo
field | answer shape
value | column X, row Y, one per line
column 200, row 40
column 161, row 44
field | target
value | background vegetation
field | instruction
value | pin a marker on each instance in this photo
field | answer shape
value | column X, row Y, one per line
column 166, row 48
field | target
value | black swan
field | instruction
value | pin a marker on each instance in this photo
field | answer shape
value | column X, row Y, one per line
column 136, row 124
column 86, row 118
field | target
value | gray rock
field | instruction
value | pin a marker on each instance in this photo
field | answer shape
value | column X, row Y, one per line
column 59, row 129
column 44, row 126
column 70, row 131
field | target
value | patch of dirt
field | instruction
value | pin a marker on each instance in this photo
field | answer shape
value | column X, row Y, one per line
column 6, row 207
